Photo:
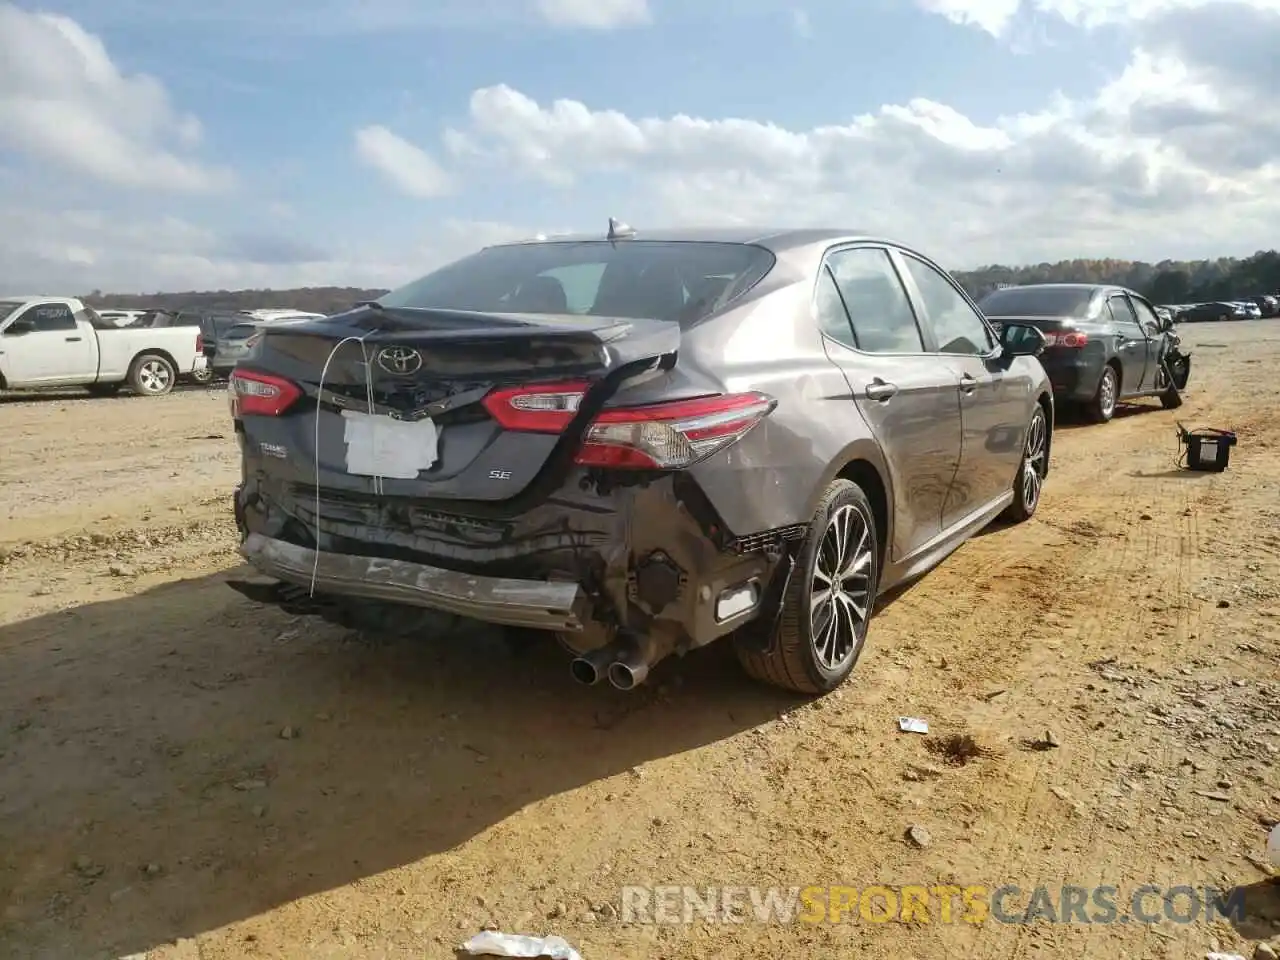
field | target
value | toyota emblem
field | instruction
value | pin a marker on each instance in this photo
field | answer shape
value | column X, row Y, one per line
column 400, row 361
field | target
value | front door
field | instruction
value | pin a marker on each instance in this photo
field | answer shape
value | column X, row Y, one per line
column 1150, row 325
column 907, row 397
column 995, row 400
column 1131, row 345
column 56, row 350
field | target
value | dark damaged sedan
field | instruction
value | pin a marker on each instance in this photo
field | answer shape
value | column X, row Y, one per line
column 1105, row 344
column 641, row 443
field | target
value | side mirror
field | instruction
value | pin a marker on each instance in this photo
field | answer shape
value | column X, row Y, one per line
column 19, row 327
column 1021, row 340
column 1153, row 328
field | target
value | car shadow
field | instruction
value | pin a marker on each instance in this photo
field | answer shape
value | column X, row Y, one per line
column 1177, row 474
column 1072, row 420
column 180, row 759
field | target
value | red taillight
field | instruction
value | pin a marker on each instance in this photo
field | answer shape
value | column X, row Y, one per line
column 537, row 408
column 199, row 344
column 671, row 436
column 1072, row 340
column 260, row 394
column 661, row 436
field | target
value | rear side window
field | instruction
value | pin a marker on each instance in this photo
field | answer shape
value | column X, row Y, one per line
column 833, row 320
column 681, row 282
column 877, row 303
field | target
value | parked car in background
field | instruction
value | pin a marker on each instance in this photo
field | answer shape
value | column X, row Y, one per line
column 237, row 340
column 642, row 443
column 1209, row 312
column 59, row 342
column 1269, row 306
column 1105, row 344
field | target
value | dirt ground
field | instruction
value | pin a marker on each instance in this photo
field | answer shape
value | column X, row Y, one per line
column 185, row 774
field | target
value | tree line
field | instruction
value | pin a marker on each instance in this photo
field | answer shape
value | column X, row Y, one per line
column 1169, row 281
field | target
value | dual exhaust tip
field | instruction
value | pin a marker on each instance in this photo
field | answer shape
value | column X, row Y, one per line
column 625, row 669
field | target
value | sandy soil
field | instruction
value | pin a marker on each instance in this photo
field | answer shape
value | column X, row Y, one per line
column 184, row 774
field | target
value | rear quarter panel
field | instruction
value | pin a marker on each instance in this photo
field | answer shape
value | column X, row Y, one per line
column 775, row 475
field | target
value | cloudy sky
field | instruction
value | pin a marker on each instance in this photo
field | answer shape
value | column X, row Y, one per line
column 172, row 145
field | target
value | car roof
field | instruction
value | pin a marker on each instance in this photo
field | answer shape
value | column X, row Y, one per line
column 777, row 239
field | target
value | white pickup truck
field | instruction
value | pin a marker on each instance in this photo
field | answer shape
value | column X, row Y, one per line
column 59, row 342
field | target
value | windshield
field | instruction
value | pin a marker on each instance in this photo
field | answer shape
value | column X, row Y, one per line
column 1037, row 302
column 8, row 306
column 634, row 279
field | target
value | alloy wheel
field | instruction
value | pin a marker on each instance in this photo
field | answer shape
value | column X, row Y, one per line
column 153, row 376
column 1033, row 462
column 840, row 595
column 1107, row 392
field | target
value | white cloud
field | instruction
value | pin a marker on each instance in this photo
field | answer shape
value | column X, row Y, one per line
column 76, row 251
column 411, row 169
column 63, row 100
column 801, row 25
column 595, row 14
column 1173, row 157
column 995, row 16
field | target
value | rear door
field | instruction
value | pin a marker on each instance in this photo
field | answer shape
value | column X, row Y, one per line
column 1130, row 344
column 909, row 397
column 995, row 397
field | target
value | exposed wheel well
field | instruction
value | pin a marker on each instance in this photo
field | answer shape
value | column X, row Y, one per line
column 868, row 478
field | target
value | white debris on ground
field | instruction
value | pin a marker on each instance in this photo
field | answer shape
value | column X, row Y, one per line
column 490, row 943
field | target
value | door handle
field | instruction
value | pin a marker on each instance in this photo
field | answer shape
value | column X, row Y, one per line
column 73, row 339
column 968, row 384
column 878, row 389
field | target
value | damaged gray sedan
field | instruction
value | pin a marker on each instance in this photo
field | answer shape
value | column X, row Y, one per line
column 641, row 443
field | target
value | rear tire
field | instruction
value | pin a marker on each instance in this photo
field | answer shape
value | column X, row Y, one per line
column 821, row 638
column 1103, row 405
column 151, row 375
column 1029, row 482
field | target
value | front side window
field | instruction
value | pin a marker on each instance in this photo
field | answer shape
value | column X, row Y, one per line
column 878, row 306
column 1121, row 311
column 958, row 327
column 681, row 282
column 1147, row 318
column 51, row 317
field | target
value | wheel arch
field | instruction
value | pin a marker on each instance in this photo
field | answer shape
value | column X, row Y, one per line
column 862, row 463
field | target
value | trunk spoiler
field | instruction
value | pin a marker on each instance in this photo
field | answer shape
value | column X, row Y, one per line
column 472, row 346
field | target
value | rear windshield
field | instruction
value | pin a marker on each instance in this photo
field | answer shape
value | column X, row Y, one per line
column 241, row 331
column 1036, row 302
column 634, row 279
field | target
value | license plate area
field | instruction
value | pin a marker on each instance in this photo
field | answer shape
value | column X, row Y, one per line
column 378, row 446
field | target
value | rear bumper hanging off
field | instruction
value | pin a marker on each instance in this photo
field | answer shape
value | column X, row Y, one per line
column 537, row 604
